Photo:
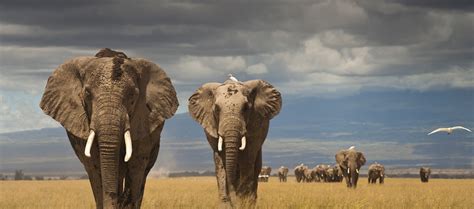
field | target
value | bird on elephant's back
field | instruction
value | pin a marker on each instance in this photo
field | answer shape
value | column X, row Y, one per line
column 350, row 161
column 112, row 106
column 235, row 117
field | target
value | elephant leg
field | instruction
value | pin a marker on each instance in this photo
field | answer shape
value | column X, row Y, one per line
column 135, row 181
column 221, row 182
column 91, row 165
column 347, row 178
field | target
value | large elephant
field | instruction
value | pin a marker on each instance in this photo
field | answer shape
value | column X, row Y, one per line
column 282, row 173
column 235, row 117
column 299, row 172
column 265, row 173
column 350, row 161
column 376, row 171
column 107, row 104
column 425, row 173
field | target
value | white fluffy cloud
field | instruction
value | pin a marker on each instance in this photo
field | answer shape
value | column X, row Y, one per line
column 257, row 69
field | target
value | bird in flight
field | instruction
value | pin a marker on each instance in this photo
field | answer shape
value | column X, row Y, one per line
column 231, row 77
column 449, row 130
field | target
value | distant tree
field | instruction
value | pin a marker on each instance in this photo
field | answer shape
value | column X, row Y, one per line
column 29, row 178
column 63, row 177
column 39, row 178
column 19, row 175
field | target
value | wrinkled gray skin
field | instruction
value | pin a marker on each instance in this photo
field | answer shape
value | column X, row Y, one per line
column 376, row 171
column 299, row 172
column 233, row 110
column 283, row 173
column 425, row 173
column 265, row 171
column 350, row 162
column 112, row 96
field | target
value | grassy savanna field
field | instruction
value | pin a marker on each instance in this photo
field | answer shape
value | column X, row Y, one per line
column 201, row 192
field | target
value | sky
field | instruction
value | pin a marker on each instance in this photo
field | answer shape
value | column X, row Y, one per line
column 322, row 49
column 366, row 57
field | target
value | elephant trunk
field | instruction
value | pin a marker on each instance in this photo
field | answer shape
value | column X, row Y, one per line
column 231, row 154
column 110, row 136
column 354, row 175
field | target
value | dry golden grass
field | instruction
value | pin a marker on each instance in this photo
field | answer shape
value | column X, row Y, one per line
column 201, row 192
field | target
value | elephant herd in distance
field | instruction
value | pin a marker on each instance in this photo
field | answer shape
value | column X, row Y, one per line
column 114, row 108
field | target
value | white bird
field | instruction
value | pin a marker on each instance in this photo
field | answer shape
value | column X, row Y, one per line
column 233, row 78
column 449, row 130
column 352, row 147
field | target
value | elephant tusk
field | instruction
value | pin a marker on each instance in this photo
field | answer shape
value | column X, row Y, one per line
column 128, row 146
column 90, row 140
column 219, row 144
column 243, row 144
column 348, row 171
column 357, row 171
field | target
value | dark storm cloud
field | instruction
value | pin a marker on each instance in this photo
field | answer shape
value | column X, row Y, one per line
column 294, row 40
column 440, row 4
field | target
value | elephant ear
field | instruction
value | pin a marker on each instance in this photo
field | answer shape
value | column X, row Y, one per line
column 267, row 100
column 341, row 158
column 157, row 100
column 62, row 98
column 361, row 159
column 201, row 109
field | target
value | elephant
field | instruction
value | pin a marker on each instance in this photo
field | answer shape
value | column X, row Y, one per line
column 376, row 171
column 330, row 174
column 321, row 172
column 235, row 117
column 265, row 173
column 308, row 175
column 338, row 177
column 282, row 173
column 299, row 172
column 425, row 173
column 350, row 161
column 106, row 104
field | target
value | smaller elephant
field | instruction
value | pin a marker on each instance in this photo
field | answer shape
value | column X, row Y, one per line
column 321, row 172
column 332, row 174
column 265, row 173
column 308, row 175
column 350, row 161
column 425, row 173
column 338, row 177
column 376, row 171
column 282, row 173
column 299, row 172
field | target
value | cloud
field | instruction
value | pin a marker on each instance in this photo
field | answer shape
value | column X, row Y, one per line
column 257, row 69
column 307, row 48
column 19, row 113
